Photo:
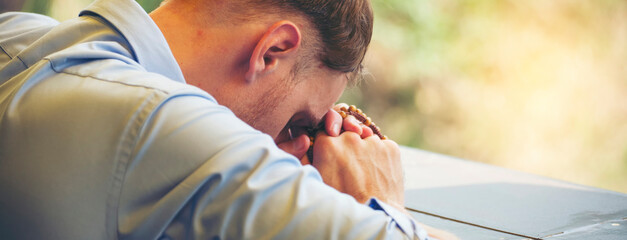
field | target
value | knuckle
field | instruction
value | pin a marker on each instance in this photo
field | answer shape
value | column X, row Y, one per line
column 351, row 137
column 390, row 143
column 322, row 139
column 350, row 119
column 340, row 105
column 374, row 142
column 393, row 147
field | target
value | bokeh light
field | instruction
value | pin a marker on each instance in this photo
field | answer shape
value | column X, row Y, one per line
column 538, row 86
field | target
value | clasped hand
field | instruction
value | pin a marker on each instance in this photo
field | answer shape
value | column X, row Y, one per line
column 353, row 160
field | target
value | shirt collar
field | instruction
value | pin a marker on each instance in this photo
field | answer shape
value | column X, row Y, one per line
column 148, row 44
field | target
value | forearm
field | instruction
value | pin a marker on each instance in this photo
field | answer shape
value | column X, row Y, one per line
column 230, row 181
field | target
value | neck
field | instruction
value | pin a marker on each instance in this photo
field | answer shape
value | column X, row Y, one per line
column 201, row 45
column 212, row 53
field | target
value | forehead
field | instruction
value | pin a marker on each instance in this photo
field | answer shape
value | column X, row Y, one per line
column 325, row 88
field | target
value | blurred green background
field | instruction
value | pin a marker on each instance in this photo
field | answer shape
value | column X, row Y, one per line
column 538, row 86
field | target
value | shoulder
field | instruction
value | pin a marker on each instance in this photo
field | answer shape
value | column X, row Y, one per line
column 106, row 69
column 18, row 30
column 12, row 22
column 106, row 95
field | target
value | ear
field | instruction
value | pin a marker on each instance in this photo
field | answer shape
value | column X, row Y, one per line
column 280, row 42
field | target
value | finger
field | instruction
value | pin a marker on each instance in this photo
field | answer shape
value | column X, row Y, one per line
column 366, row 131
column 390, row 143
column 305, row 160
column 392, row 146
column 338, row 106
column 324, row 146
column 351, row 124
column 333, row 123
column 297, row 147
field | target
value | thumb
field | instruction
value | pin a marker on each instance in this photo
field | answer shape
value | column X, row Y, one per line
column 297, row 146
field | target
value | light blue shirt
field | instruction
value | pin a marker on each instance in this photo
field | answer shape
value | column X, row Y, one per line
column 101, row 138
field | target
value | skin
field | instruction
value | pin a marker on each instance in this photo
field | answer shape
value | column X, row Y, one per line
column 255, row 79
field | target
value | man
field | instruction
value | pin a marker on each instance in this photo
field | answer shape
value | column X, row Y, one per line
column 119, row 124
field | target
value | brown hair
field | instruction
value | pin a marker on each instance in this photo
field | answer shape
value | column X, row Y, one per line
column 344, row 28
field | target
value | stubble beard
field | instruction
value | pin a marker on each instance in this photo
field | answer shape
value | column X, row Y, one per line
column 260, row 113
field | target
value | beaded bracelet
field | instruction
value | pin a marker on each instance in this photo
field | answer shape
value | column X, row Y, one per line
column 345, row 112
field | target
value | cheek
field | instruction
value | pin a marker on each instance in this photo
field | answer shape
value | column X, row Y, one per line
column 285, row 110
column 339, row 87
column 280, row 124
column 275, row 124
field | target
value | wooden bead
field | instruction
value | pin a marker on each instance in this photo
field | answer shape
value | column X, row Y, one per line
column 352, row 110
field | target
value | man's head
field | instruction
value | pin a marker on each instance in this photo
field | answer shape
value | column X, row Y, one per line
column 274, row 63
column 339, row 30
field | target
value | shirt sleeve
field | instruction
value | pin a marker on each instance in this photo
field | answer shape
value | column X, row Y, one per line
column 198, row 172
column 406, row 224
